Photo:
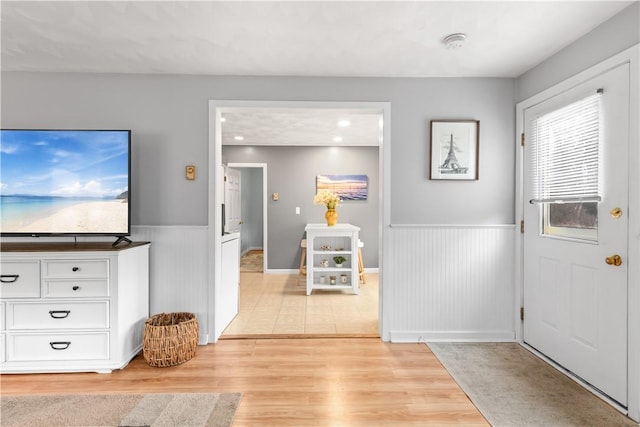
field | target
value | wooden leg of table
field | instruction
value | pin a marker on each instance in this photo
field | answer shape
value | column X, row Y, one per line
column 303, row 267
column 361, row 274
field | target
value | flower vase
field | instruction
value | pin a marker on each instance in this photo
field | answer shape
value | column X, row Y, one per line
column 331, row 216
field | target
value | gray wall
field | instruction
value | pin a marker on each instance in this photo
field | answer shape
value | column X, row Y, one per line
column 252, row 203
column 169, row 119
column 615, row 35
column 292, row 174
column 417, row 200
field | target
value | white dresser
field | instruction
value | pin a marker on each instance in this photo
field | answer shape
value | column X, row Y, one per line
column 72, row 307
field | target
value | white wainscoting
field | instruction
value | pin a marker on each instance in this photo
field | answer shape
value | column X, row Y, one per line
column 441, row 282
column 178, row 269
column 449, row 283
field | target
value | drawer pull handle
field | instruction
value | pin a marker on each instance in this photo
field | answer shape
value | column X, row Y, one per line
column 59, row 314
column 75, row 269
column 9, row 278
column 75, row 288
column 60, row 345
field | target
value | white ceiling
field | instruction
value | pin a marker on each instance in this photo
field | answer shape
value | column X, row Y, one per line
column 330, row 38
column 293, row 38
column 302, row 126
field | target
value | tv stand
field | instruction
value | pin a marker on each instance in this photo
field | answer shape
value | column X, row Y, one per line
column 68, row 307
column 120, row 240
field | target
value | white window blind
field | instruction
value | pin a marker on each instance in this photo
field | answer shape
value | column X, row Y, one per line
column 565, row 153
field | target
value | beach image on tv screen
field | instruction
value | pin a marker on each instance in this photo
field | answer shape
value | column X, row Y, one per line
column 72, row 182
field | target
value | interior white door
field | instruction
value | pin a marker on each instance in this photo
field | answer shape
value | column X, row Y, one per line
column 232, row 200
column 575, row 302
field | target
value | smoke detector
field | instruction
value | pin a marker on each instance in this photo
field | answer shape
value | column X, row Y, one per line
column 454, row 41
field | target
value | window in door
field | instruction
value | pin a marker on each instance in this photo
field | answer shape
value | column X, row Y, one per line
column 566, row 156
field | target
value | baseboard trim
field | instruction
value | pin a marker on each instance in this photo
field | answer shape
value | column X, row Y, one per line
column 451, row 336
column 295, row 336
column 281, row 271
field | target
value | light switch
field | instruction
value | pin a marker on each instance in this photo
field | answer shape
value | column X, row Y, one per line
column 297, row 210
column 275, row 197
column 191, row 172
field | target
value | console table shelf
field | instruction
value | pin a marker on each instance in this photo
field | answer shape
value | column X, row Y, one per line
column 323, row 243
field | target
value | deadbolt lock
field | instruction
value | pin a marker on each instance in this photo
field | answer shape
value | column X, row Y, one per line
column 616, row 212
column 614, row 260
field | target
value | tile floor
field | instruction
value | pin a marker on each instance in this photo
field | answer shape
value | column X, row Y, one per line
column 274, row 305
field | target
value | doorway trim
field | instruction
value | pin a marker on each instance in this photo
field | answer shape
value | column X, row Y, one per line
column 216, row 192
column 632, row 57
column 263, row 166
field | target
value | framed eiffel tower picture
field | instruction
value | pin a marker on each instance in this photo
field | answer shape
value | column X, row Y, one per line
column 454, row 149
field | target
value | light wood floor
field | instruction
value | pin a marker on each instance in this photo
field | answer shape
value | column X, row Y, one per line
column 293, row 382
column 274, row 305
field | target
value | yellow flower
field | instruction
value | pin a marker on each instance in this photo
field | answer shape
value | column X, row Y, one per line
column 327, row 198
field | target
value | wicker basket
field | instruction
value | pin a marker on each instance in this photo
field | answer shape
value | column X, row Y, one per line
column 170, row 339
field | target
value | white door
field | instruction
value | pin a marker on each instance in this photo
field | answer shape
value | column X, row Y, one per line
column 232, row 200
column 575, row 288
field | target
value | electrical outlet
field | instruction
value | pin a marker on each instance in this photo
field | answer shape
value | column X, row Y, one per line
column 275, row 197
column 297, row 210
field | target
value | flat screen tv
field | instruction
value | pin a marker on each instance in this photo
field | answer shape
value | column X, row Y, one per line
column 65, row 182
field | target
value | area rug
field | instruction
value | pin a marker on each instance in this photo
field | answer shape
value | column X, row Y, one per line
column 149, row 410
column 512, row 387
column 252, row 261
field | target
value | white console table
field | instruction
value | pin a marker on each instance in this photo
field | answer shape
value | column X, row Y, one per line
column 324, row 243
column 72, row 307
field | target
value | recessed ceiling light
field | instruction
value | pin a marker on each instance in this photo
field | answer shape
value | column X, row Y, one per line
column 337, row 139
column 454, row 41
column 344, row 123
column 239, row 138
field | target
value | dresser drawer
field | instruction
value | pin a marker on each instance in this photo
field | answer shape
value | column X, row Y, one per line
column 75, row 288
column 57, row 346
column 20, row 279
column 63, row 315
column 78, row 269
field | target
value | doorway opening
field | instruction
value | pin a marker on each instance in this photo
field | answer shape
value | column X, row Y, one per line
column 254, row 235
column 289, row 272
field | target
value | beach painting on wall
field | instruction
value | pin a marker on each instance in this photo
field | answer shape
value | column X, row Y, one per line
column 347, row 187
column 64, row 182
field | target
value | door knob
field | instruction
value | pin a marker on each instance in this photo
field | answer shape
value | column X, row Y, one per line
column 614, row 260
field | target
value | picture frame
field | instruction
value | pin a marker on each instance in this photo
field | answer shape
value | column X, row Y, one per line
column 347, row 187
column 455, row 148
